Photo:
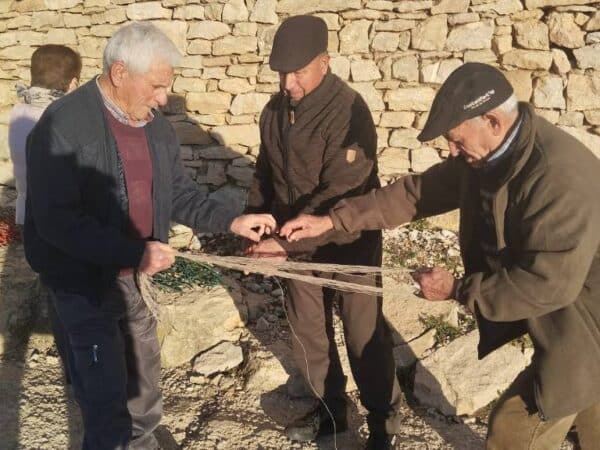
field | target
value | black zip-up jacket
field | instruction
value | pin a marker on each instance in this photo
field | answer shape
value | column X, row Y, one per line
column 76, row 225
column 311, row 156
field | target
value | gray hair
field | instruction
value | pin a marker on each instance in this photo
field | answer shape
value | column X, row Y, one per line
column 138, row 45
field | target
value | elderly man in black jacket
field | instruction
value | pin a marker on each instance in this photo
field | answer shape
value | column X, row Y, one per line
column 318, row 146
column 105, row 180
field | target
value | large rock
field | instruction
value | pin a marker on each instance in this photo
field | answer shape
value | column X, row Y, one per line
column 564, row 32
column 521, row 83
column 340, row 65
column 208, row 29
column 397, row 119
column 235, row 11
column 560, row 61
column 532, row 34
column 423, row 158
column 471, row 36
column 385, row 42
column 406, row 68
column 410, row 99
column 364, row 70
column 438, row 71
column 311, row 6
column 450, row 7
column 453, row 381
column 588, row 57
column 548, row 93
column 62, row 4
column 235, row 45
column 264, row 12
column 175, row 30
column 223, row 357
column 533, row 4
column 247, row 135
column 354, row 37
column 583, row 92
column 502, row 7
column 147, row 10
column 393, row 161
column 402, row 310
column 250, row 103
column 405, row 138
column 431, row 33
column 371, row 95
column 208, row 102
column 528, row 59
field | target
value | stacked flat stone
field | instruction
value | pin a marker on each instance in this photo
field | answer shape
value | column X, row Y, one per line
column 395, row 53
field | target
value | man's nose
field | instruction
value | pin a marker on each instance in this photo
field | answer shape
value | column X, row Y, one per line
column 288, row 81
column 161, row 98
column 454, row 151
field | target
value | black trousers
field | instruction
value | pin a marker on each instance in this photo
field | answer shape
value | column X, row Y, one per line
column 368, row 342
column 113, row 359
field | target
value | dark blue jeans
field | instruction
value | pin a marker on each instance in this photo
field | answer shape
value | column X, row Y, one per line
column 114, row 362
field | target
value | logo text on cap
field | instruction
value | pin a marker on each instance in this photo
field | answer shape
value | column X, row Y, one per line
column 480, row 100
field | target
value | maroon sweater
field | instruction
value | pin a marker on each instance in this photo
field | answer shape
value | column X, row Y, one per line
column 137, row 168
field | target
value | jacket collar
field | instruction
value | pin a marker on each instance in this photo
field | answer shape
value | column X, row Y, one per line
column 322, row 93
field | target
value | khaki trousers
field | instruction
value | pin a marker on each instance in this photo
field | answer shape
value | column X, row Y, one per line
column 515, row 424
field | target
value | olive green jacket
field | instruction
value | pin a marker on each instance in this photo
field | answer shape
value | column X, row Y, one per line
column 547, row 218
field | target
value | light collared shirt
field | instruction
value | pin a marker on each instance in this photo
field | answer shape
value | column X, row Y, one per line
column 118, row 113
column 505, row 146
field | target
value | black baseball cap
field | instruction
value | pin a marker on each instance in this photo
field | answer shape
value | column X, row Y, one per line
column 470, row 91
column 297, row 42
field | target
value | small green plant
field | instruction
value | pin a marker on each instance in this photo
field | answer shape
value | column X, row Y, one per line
column 184, row 274
column 444, row 332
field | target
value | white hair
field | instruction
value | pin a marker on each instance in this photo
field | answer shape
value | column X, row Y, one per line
column 138, row 45
column 510, row 107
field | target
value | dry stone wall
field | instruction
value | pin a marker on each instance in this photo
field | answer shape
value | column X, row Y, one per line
column 395, row 53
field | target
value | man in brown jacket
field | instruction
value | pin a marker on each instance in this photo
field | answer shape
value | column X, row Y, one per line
column 530, row 215
column 318, row 145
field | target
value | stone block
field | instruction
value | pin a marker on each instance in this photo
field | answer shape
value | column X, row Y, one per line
column 583, row 92
column 312, row 6
column 364, row 70
column 438, row 71
column 248, row 135
column 207, row 29
column 251, row 103
column 147, row 11
column 548, row 93
column 471, row 36
column 450, row 7
column 564, row 32
column 406, row 68
column 235, row 11
column 588, row 57
column 372, row 96
column 521, row 83
column 430, row 34
column 264, row 12
column 453, row 381
column 532, row 35
column 528, row 59
column 410, row 99
column 354, row 38
column 385, row 42
column 208, row 102
column 397, row 119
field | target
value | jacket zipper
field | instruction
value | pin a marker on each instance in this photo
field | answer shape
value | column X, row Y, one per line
column 286, row 152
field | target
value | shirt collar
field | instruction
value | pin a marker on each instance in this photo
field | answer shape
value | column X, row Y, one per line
column 503, row 149
column 118, row 113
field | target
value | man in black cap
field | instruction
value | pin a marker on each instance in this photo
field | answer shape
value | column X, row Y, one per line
column 528, row 199
column 318, row 145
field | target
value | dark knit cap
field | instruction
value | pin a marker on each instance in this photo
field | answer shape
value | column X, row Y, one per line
column 297, row 42
column 470, row 91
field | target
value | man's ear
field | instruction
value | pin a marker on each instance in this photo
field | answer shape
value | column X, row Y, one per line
column 324, row 63
column 118, row 73
column 495, row 123
column 72, row 85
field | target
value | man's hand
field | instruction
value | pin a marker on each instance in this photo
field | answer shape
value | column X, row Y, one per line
column 306, row 226
column 269, row 248
column 253, row 226
column 436, row 283
column 156, row 258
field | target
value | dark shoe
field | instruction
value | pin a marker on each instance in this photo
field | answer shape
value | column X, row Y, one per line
column 315, row 424
column 381, row 441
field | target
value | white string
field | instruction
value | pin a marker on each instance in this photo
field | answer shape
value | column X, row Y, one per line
column 307, row 367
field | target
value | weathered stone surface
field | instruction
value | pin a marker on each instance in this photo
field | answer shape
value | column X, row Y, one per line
column 528, row 59
column 583, row 92
column 593, row 38
column 592, row 117
column 532, row 4
column 560, row 61
column 502, row 7
column 450, row 7
column 385, row 42
column 407, row 354
column 266, row 75
column 364, row 70
column 397, row 119
column 235, row 45
column 264, row 12
column 207, row 29
column 242, row 70
column 395, row 25
column 265, row 39
column 412, row 5
column 405, row 138
column 208, row 102
column 251, row 103
column 189, row 12
column 571, row 119
column 371, row 95
column 521, row 83
column 406, row 69
column 430, row 34
column 237, row 134
column 62, row 4
column 200, row 321
column 588, row 57
column 17, row 52
column 213, row 11
column 235, row 86
column 532, row 35
column 393, row 162
column 340, row 65
column 564, row 32
column 502, row 44
column 112, row 16
column 548, row 93
column 594, row 23
column 402, row 309
column 245, row 29
column 410, row 99
column 470, row 36
column 423, row 158
column 76, row 20
column 453, row 381
column 148, row 10
column 437, row 72
column 234, row 11
column 332, row 20
column 223, row 357
column 189, row 133
column 354, row 37
column 311, row 6
column 462, row 18
column 549, row 114
column 175, row 30
column 591, row 141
